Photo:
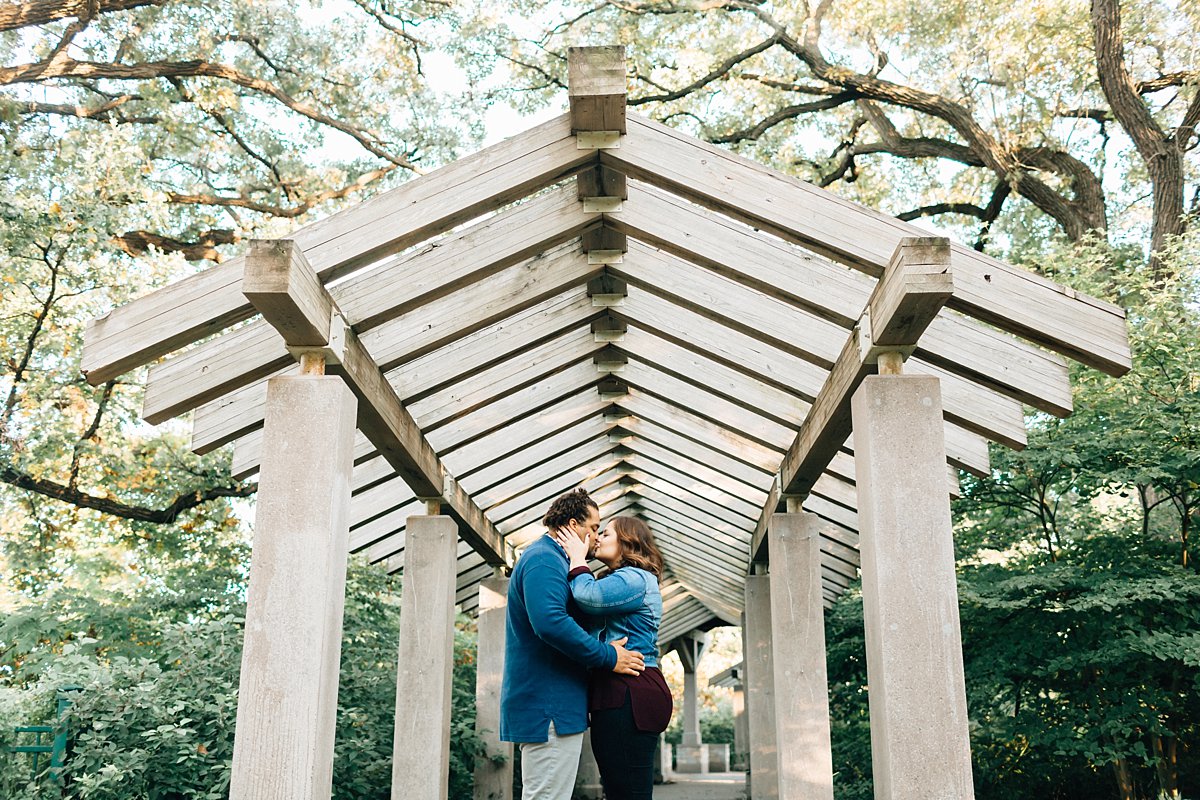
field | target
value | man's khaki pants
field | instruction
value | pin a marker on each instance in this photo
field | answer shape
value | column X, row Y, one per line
column 548, row 768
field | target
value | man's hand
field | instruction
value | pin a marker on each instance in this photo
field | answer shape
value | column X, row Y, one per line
column 628, row 661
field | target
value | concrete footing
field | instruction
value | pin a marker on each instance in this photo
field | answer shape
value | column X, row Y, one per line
column 587, row 780
column 763, row 778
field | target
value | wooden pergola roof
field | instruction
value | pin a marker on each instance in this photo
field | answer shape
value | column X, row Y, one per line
column 606, row 302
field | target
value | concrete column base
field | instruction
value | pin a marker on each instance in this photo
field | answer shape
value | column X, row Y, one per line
column 493, row 771
column 664, row 771
column 920, row 745
column 798, row 656
column 762, row 782
column 691, row 759
column 718, row 757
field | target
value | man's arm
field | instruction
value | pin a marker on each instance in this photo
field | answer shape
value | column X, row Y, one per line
column 546, row 603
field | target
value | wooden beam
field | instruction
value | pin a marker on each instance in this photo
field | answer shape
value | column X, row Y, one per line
column 596, row 88
column 207, row 302
column 916, row 285
column 831, row 296
column 1091, row 331
column 420, row 374
column 785, row 333
column 517, row 243
column 386, row 422
column 290, row 297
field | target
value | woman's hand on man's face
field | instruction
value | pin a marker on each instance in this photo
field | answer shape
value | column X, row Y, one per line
column 575, row 547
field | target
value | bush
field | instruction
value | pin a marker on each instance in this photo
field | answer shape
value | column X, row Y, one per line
column 161, row 726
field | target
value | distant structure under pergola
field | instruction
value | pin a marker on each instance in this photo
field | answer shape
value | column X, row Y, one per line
column 783, row 383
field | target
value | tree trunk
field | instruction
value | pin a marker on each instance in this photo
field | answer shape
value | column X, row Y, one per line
column 1161, row 152
column 1125, row 786
column 1166, row 765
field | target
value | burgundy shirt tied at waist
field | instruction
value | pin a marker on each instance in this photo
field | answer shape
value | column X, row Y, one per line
column 648, row 694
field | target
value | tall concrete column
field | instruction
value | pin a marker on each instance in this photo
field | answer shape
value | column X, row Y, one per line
column 763, row 778
column 741, row 745
column 493, row 770
column 287, row 692
column 421, row 749
column 691, row 709
column 919, row 741
column 692, row 754
column 798, row 658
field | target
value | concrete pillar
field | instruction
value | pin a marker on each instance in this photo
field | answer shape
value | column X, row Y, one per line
column 587, row 780
column 287, row 695
column 798, row 657
column 741, row 747
column 421, row 749
column 691, row 755
column 494, row 770
column 763, row 778
column 691, row 709
column 919, row 741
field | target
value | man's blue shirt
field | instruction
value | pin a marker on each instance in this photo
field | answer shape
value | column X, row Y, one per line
column 547, row 652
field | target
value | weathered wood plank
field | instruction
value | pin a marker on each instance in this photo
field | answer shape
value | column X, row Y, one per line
column 207, row 302
column 290, row 297
column 918, row 282
column 1020, row 302
column 414, row 280
column 837, row 294
column 705, row 298
column 384, row 420
column 239, row 412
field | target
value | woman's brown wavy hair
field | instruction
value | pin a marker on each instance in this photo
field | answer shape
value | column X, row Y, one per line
column 637, row 545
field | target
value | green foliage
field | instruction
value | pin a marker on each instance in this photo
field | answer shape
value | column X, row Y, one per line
column 1079, row 595
column 716, row 724
column 155, row 719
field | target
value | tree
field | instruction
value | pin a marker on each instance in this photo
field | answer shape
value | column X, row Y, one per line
column 891, row 102
column 141, row 135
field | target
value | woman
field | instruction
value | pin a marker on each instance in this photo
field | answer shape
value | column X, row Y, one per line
column 627, row 713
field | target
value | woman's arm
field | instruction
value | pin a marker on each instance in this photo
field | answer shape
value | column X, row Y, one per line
column 621, row 592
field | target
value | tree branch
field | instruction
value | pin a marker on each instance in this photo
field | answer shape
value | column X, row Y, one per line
column 116, row 508
column 64, row 67
column 136, row 243
column 39, row 12
column 720, row 71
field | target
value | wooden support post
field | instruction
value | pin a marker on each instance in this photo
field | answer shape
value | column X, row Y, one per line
column 760, row 690
column 421, row 748
column 285, row 289
column 287, row 696
column 494, row 769
column 798, row 657
column 912, row 291
column 596, row 88
column 920, row 745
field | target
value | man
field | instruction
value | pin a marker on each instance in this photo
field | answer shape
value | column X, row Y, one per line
column 543, row 702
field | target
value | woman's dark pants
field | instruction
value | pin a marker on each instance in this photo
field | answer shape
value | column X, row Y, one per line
column 624, row 754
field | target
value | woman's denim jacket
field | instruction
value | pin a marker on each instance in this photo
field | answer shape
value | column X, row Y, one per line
column 628, row 603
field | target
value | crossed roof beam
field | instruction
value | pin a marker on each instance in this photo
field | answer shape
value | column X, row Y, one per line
column 723, row 308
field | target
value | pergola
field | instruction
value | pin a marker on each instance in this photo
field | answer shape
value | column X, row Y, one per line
column 783, row 383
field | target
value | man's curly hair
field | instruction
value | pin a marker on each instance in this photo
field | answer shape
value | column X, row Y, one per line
column 573, row 505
